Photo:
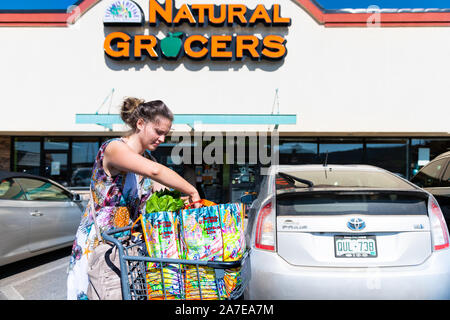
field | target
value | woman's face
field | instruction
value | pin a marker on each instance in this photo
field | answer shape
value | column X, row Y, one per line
column 153, row 133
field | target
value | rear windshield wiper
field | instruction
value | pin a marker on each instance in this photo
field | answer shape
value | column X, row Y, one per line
column 292, row 179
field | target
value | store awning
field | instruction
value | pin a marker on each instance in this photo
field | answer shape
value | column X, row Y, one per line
column 108, row 120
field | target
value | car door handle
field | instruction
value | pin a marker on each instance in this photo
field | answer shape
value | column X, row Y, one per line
column 36, row 213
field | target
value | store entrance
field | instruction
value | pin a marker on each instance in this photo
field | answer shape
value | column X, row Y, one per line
column 56, row 166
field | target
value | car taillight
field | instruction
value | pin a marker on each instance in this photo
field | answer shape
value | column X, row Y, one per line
column 439, row 229
column 265, row 228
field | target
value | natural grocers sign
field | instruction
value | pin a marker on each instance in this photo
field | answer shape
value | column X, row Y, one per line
column 176, row 44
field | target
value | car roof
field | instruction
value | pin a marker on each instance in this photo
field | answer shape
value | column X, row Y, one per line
column 443, row 155
column 9, row 174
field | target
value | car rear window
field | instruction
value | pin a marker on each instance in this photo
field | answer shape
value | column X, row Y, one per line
column 349, row 178
column 349, row 203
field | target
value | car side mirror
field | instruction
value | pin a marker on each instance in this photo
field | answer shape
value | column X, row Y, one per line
column 76, row 197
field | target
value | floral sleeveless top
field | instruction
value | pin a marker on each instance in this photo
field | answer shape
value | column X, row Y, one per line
column 118, row 201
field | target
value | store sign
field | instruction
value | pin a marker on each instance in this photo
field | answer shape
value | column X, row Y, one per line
column 123, row 13
column 123, row 46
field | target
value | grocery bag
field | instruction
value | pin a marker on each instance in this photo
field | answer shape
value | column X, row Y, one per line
column 160, row 233
column 212, row 233
column 232, row 226
column 201, row 239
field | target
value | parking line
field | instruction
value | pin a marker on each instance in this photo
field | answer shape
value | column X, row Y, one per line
column 11, row 293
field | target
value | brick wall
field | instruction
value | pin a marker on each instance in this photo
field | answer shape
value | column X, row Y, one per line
column 5, row 152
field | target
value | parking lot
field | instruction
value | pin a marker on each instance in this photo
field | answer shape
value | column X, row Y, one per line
column 39, row 278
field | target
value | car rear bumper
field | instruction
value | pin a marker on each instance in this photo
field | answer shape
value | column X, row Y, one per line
column 273, row 278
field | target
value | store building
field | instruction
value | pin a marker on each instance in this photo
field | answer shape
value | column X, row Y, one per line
column 366, row 85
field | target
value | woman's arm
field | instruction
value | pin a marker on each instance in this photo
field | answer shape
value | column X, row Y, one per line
column 119, row 157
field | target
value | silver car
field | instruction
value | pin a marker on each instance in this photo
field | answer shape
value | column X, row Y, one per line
column 37, row 215
column 346, row 232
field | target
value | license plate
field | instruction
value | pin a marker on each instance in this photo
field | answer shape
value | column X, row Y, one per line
column 355, row 247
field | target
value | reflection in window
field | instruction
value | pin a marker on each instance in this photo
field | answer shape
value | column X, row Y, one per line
column 425, row 150
column 388, row 154
column 27, row 155
column 10, row 190
column 351, row 178
column 56, row 143
column 298, row 152
column 430, row 174
column 84, row 151
column 341, row 151
column 56, row 167
column 446, row 177
column 42, row 190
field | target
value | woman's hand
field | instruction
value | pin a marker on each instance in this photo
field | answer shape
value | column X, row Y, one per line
column 193, row 198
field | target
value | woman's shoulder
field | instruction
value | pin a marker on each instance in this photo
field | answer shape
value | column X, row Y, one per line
column 105, row 143
column 101, row 151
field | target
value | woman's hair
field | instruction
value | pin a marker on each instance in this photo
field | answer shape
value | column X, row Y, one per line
column 133, row 109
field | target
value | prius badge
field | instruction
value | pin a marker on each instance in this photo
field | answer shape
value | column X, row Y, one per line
column 356, row 224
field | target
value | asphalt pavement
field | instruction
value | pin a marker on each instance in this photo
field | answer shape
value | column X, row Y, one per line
column 39, row 278
column 42, row 277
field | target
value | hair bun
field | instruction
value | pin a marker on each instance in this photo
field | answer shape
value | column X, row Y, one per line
column 134, row 109
column 128, row 107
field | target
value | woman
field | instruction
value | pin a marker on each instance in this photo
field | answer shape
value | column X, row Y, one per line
column 121, row 182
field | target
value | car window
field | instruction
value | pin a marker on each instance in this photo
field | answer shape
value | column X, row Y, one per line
column 446, row 177
column 36, row 189
column 337, row 204
column 429, row 175
column 10, row 190
column 348, row 178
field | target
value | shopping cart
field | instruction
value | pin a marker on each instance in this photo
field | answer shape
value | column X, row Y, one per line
column 133, row 268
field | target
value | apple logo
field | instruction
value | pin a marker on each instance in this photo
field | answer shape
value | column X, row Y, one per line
column 171, row 45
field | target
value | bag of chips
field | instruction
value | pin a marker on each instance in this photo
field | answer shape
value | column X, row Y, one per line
column 160, row 232
column 201, row 239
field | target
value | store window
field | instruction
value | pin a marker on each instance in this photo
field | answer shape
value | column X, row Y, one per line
column 341, row 151
column 56, row 159
column 27, row 155
column 298, row 152
column 389, row 154
column 84, row 151
column 56, row 143
column 425, row 150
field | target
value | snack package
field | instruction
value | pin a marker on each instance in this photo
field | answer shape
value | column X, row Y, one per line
column 201, row 239
column 210, row 289
column 232, row 227
column 160, row 232
column 201, row 234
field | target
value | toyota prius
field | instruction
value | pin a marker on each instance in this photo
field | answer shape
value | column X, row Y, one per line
column 346, row 232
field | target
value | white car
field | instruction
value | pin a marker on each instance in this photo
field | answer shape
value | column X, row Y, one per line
column 346, row 232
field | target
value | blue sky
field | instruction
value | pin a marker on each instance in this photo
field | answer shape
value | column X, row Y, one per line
column 327, row 4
